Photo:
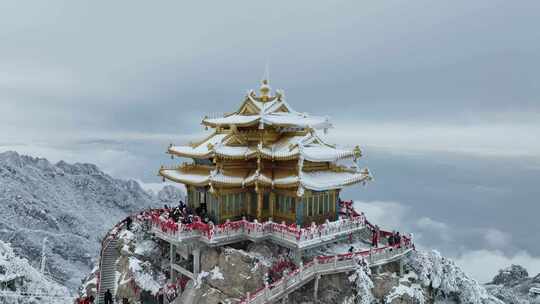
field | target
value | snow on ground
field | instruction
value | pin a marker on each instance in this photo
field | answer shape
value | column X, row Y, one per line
column 414, row 291
column 264, row 260
column 340, row 248
column 20, row 277
column 215, row 274
column 146, row 247
column 200, row 277
column 364, row 285
column 143, row 275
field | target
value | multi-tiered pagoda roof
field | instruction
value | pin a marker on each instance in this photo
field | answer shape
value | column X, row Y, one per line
column 266, row 144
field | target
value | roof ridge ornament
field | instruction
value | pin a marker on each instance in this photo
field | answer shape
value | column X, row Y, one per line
column 265, row 90
column 280, row 95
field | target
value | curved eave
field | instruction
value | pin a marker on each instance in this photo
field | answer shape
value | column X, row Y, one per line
column 246, row 120
column 173, row 175
column 317, row 181
column 329, row 184
column 175, row 152
column 280, row 156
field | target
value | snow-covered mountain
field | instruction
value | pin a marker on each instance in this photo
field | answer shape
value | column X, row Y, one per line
column 71, row 205
column 513, row 285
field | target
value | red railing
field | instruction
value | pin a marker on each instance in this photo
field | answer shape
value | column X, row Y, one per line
column 321, row 260
column 209, row 231
column 405, row 243
column 154, row 216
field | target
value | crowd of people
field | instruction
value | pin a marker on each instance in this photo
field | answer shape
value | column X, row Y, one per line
column 393, row 238
column 186, row 215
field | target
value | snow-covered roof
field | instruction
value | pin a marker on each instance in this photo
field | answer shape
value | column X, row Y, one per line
column 292, row 137
column 274, row 111
column 200, row 150
column 318, row 181
column 325, row 180
column 285, row 119
column 309, row 146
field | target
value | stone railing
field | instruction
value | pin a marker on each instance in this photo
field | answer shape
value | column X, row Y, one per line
column 325, row 265
column 243, row 229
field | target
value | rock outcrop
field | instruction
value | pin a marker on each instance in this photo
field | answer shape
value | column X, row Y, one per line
column 230, row 273
column 513, row 285
column 511, row 275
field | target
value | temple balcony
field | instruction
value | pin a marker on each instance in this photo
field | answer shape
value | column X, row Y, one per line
column 244, row 230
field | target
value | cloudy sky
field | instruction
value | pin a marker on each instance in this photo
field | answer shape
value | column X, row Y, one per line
column 443, row 96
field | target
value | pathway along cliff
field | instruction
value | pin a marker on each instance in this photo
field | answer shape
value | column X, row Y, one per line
column 107, row 275
column 264, row 272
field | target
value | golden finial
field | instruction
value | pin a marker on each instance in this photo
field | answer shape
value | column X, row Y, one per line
column 265, row 90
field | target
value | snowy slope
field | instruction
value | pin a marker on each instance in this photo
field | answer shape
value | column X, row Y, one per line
column 72, row 205
column 449, row 282
column 22, row 284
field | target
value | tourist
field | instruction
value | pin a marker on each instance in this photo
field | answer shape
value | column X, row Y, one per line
column 108, row 297
column 398, row 239
column 128, row 222
column 375, row 236
column 176, row 215
column 392, row 238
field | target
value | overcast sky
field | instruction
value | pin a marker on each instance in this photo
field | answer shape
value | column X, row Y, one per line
column 443, row 96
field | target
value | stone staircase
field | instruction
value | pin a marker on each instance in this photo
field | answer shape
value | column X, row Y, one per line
column 109, row 256
column 289, row 283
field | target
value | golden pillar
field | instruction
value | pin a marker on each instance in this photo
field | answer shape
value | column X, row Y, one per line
column 271, row 202
column 259, row 205
column 249, row 212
